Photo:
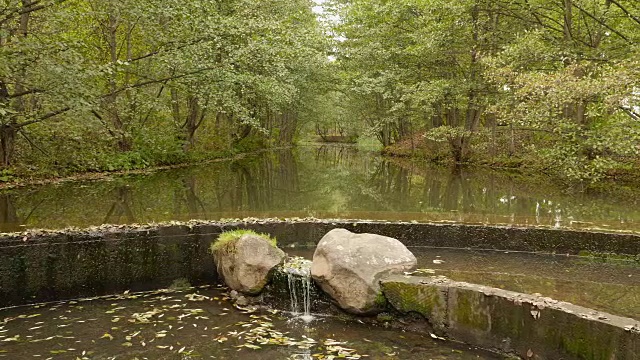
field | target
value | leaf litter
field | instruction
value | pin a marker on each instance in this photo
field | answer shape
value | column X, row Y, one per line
column 167, row 323
column 166, row 313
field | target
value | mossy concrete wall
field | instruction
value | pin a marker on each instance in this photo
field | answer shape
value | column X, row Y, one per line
column 51, row 265
column 55, row 266
column 532, row 327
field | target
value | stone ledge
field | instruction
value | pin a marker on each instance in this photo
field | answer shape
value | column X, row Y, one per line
column 532, row 327
column 310, row 230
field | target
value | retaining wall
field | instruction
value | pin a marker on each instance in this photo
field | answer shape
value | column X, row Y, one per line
column 41, row 266
column 51, row 265
column 530, row 326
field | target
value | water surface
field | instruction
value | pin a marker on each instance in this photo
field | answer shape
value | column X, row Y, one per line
column 201, row 324
column 612, row 287
column 323, row 182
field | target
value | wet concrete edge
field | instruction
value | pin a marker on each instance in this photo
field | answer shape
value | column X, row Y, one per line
column 309, row 232
column 529, row 326
column 45, row 265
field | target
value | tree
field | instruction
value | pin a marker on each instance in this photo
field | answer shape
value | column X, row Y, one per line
column 125, row 81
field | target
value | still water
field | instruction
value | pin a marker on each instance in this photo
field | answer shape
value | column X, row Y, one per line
column 201, row 324
column 323, row 182
column 612, row 287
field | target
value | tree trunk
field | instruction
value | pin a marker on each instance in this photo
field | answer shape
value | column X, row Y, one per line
column 568, row 19
column 7, row 143
column 195, row 117
column 191, row 122
column 175, row 106
column 123, row 141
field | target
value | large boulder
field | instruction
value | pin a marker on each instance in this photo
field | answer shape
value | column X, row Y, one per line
column 245, row 261
column 349, row 266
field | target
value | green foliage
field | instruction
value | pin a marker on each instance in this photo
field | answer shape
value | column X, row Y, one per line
column 553, row 85
column 103, row 84
column 6, row 175
column 229, row 237
column 107, row 85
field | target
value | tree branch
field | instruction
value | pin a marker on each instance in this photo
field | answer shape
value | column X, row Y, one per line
column 144, row 83
column 631, row 113
column 602, row 23
column 23, row 133
column 26, row 92
column 43, row 117
column 18, row 11
column 633, row 17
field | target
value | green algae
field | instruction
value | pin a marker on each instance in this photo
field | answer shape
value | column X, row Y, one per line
column 428, row 301
column 469, row 309
column 380, row 301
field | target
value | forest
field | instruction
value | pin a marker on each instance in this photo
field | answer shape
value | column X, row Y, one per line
column 545, row 86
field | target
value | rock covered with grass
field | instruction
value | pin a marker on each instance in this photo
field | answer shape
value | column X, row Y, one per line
column 349, row 266
column 245, row 259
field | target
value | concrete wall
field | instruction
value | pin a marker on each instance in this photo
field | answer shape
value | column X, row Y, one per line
column 41, row 266
column 530, row 326
column 62, row 266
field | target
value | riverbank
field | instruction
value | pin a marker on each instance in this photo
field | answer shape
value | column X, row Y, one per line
column 34, row 178
column 528, row 164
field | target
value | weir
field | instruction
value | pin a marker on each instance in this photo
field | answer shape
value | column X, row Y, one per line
column 72, row 264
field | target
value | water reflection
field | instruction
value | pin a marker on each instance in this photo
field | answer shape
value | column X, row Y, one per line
column 328, row 181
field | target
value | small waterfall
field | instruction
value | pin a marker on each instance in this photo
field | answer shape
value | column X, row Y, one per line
column 298, row 272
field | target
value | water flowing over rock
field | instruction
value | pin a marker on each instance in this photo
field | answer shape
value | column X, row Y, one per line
column 299, row 282
column 246, row 263
column 349, row 266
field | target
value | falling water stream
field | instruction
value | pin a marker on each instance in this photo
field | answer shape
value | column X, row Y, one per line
column 298, row 272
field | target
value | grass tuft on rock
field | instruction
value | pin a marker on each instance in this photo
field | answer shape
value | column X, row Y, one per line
column 229, row 237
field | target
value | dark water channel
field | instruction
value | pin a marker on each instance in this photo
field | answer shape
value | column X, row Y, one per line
column 323, row 182
column 201, row 324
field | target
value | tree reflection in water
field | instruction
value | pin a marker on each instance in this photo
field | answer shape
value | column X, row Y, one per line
column 326, row 181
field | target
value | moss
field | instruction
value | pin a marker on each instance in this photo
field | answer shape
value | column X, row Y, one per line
column 467, row 310
column 610, row 257
column 385, row 317
column 228, row 237
column 380, row 301
column 586, row 340
column 180, row 284
column 407, row 297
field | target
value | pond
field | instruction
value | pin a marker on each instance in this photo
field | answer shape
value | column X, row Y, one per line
column 316, row 181
column 201, row 323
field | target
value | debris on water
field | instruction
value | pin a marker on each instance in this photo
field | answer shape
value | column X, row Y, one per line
column 178, row 323
column 420, row 272
column 535, row 313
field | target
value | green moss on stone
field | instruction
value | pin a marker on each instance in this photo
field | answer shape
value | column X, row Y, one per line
column 626, row 259
column 229, row 237
column 468, row 310
column 384, row 317
column 180, row 284
column 407, row 297
column 380, row 300
column 584, row 341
